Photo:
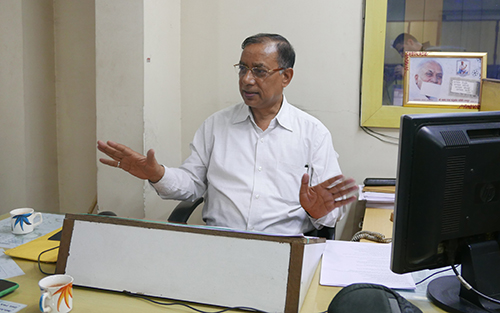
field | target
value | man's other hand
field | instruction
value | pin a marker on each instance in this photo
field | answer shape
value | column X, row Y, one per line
column 321, row 199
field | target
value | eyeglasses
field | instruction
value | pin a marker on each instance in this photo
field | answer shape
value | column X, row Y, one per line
column 257, row 72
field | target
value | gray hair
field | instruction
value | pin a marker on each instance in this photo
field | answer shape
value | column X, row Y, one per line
column 286, row 54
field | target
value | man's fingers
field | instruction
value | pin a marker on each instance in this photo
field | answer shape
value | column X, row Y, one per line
column 118, row 147
column 333, row 182
column 343, row 202
column 111, row 143
column 102, row 146
column 333, row 204
column 341, row 187
column 108, row 162
column 304, row 185
column 114, row 150
column 107, row 149
column 119, row 150
column 305, row 179
column 110, row 149
column 337, row 183
column 344, row 191
column 343, row 183
column 150, row 157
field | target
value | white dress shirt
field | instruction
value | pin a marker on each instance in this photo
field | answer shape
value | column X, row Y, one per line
column 251, row 178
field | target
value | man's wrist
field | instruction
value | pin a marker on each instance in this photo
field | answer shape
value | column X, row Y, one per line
column 156, row 178
column 307, row 213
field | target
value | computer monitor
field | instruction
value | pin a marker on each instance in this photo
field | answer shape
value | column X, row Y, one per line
column 447, row 208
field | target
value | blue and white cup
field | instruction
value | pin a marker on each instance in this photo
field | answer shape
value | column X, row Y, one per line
column 23, row 220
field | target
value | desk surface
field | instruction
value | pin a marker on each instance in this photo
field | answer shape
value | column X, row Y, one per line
column 379, row 220
column 84, row 299
column 90, row 300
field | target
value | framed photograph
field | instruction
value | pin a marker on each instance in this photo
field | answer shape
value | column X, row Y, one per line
column 443, row 79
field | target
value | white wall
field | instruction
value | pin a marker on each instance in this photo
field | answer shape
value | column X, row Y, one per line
column 40, row 108
column 74, row 30
column 120, row 98
column 162, row 93
column 12, row 130
column 192, row 45
column 28, row 157
column 137, row 96
column 327, row 37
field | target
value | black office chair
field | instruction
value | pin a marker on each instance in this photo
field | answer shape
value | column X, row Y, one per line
column 325, row 232
column 184, row 209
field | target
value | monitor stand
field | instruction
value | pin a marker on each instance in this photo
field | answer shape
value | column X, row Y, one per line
column 480, row 268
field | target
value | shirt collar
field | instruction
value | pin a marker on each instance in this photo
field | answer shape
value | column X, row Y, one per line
column 283, row 117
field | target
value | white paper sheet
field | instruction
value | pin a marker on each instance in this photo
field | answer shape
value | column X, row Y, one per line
column 8, row 267
column 379, row 200
column 11, row 307
column 377, row 197
column 346, row 263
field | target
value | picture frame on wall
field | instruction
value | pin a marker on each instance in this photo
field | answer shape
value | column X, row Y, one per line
column 443, row 79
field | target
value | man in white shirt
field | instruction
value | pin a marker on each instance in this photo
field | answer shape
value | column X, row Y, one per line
column 253, row 161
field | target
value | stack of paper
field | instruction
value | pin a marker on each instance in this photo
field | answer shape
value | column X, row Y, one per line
column 346, row 263
column 381, row 197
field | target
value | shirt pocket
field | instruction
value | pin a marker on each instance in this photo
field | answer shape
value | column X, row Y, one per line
column 290, row 177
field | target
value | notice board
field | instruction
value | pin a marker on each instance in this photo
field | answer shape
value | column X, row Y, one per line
column 198, row 264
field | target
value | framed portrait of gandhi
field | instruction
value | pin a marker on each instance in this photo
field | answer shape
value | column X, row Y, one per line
column 443, row 79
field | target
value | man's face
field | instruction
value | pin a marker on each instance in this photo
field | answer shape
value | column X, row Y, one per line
column 430, row 72
column 408, row 45
column 400, row 48
column 263, row 93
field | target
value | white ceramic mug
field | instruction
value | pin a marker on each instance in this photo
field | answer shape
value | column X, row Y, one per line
column 57, row 294
column 23, row 220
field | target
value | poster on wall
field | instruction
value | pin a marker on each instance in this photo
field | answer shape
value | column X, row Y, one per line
column 443, row 79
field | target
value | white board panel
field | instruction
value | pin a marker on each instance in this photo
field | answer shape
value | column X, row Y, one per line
column 202, row 268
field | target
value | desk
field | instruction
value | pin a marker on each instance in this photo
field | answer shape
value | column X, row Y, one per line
column 378, row 220
column 90, row 300
column 84, row 299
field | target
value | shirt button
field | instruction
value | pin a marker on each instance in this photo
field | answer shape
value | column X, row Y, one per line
column 260, row 168
column 262, row 140
column 257, row 196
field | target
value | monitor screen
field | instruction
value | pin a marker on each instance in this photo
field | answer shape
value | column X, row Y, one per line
column 447, row 208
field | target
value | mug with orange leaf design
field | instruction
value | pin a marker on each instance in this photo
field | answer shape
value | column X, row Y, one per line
column 57, row 294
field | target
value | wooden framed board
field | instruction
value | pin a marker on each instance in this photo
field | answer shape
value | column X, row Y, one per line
column 198, row 264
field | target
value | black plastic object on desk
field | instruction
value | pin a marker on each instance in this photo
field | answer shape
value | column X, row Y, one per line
column 379, row 182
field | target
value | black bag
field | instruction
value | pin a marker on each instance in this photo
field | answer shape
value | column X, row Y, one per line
column 369, row 298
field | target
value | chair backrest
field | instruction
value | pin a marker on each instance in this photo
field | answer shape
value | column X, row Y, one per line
column 325, row 232
column 183, row 210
